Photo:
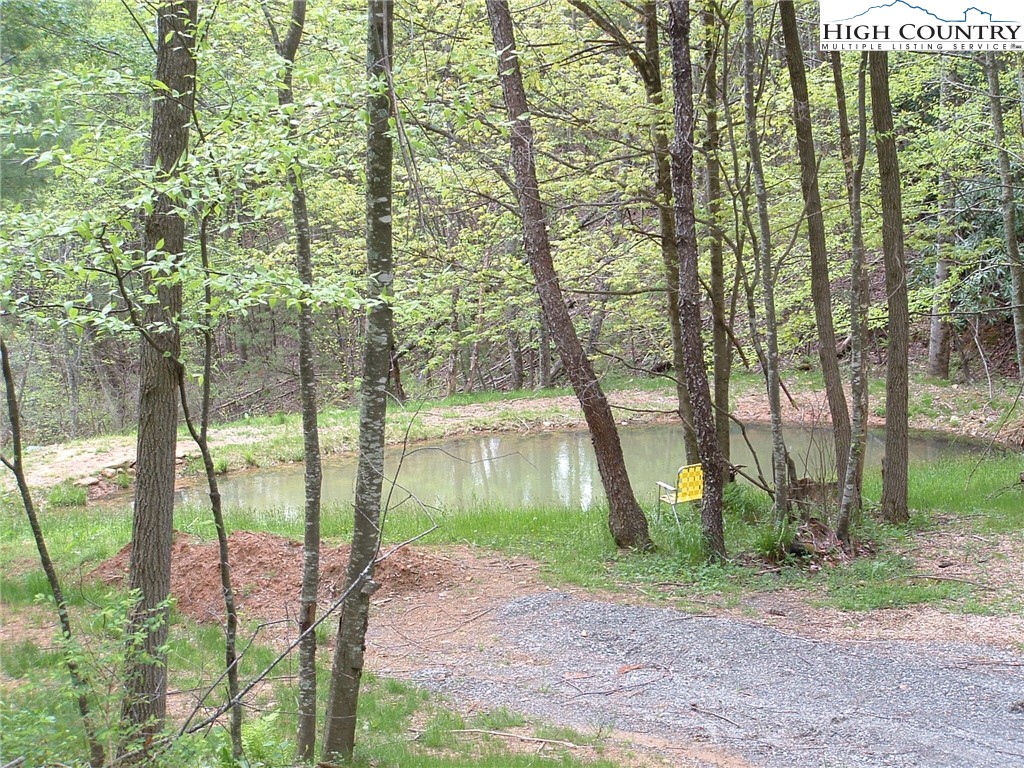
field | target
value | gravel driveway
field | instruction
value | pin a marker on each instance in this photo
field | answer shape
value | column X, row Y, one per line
column 776, row 699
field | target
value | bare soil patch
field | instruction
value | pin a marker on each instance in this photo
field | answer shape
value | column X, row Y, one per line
column 266, row 572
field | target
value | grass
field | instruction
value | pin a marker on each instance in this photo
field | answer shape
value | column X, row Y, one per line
column 66, row 495
column 38, row 719
column 884, row 582
column 574, row 547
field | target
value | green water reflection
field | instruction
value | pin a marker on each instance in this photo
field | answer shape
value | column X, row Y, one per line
column 539, row 469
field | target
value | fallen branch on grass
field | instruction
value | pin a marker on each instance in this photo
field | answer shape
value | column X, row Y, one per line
column 505, row 734
column 949, row 578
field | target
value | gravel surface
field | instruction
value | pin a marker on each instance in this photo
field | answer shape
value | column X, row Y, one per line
column 774, row 698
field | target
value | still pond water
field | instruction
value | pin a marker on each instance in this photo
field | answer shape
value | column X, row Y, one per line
column 538, row 469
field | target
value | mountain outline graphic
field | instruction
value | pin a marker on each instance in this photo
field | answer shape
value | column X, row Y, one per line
column 935, row 16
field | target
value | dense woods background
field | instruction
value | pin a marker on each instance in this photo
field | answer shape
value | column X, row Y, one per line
column 76, row 95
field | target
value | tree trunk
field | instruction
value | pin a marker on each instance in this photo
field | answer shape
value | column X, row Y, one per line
column 712, row 528
column 894, row 466
column 16, row 464
column 648, row 67
column 287, row 47
column 346, row 674
column 940, row 327
column 850, row 499
column 515, row 354
column 780, row 456
column 1008, row 206
column 544, row 354
column 149, row 570
column 821, row 289
column 625, row 519
column 667, row 226
column 722, row 350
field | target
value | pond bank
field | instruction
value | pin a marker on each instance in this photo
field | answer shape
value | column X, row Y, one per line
column 103, row 464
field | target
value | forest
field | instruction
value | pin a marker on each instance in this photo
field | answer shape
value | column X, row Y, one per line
column 248, row 249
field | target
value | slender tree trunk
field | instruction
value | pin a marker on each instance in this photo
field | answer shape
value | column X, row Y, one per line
column 940, row 329
column 721, row 321
column 149, row 570
column 452, row 373
column 712, row 528
column 626, row 520
column 667, row 225
column 1008, row 205
column 201, row 438
column 780, row 456
column 287, row 47
column 346, row 674
column 894, row 466
column 853, row 165
column 648, row 67
column 821, row 289
column 544, row 354
column 16, row 464
column 515, row 354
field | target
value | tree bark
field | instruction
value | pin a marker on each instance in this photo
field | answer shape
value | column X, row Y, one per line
column 940, row 327
column 1008, row 206
column 648, row 66
column 625, row 519
column 722, row 349
column 712, row 527
column 894, row 465
column 149, row 570
column 346, row 674
column 287, row 47
column 853, row 165
column 780, row 455
column 821, row 289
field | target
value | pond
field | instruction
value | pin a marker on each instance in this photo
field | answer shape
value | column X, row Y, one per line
column 540, row 469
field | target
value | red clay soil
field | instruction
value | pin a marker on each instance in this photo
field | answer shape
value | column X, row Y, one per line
column 266, row 574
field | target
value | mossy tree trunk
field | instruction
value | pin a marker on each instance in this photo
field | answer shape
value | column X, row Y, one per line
column 712, row 525
column 349, row 650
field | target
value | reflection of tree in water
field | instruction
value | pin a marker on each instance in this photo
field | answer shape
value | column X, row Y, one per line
column 544, row 469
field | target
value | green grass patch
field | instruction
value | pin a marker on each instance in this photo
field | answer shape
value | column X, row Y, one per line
column 67, row 495
column 22, row 659
column 885, row 582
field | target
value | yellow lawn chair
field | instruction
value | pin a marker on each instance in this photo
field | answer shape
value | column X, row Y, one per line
column 689, row 487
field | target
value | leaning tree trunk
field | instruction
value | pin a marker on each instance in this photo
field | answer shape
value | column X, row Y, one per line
column 894, row 466
column 149, row 570
column 16, row 464
column 1008, row 205
column 346, row 675
column 201, row 439
column 287, row 47
column 853, row 165
column 773, row 381
column 625, row 519
column 712, row 528
column 821, row 289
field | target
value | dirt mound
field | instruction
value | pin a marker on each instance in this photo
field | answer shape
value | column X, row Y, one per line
column 266, row 574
